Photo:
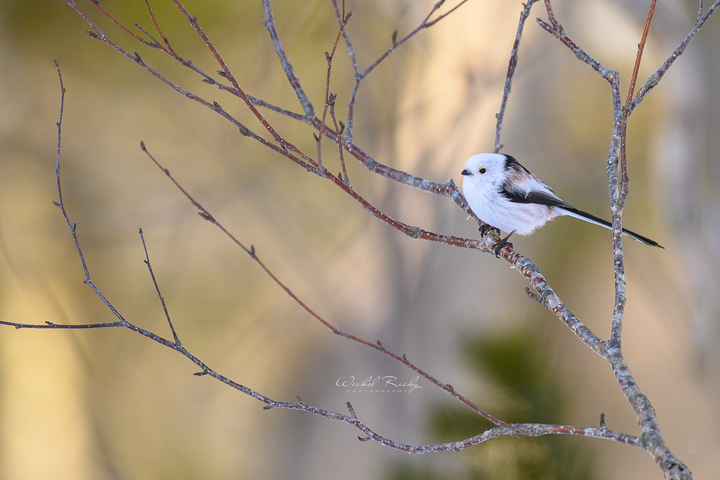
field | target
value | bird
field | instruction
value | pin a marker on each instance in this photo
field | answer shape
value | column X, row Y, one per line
column 505, row 195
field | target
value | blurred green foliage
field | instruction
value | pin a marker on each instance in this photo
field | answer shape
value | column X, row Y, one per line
column 515, row 364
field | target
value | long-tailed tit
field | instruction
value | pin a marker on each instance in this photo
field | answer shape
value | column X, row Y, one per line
column 505, row 195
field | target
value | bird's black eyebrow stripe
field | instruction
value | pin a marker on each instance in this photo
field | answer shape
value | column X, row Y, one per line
column 512, row 163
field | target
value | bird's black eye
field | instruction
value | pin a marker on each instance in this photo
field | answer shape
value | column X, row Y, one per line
column 482, row 170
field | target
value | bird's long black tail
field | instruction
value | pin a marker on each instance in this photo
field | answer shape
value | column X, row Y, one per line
column 573, row 212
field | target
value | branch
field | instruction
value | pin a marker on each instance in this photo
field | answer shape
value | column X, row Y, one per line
column 511, row 72
column 655, row 78
column 617, row 167
column 623, row 145
column 269, row 23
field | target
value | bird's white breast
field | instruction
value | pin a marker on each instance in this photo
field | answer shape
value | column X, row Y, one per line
column 495, row 209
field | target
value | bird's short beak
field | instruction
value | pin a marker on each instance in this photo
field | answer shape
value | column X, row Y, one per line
column 466, row 172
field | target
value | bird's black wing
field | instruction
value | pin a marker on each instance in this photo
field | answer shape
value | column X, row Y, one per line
column 518, row 176
column 515, row 195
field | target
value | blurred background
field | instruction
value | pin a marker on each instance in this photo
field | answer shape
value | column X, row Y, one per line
column 112, row 404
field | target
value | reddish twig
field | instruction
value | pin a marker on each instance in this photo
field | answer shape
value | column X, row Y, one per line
column 284, row 144
column 551, row 14
column 655, row 78
column 618, row 202
column 157, row 27
column 96, row 4
column 339, row 129
column 329, row 97
column 624, row 182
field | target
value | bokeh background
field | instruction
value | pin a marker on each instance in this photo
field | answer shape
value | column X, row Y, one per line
column 111, row 404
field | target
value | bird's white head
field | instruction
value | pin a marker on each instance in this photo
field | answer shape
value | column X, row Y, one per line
column 485, row 169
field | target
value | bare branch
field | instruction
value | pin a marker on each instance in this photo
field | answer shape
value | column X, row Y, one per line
column 157, row 289
column 157, row 26
column 269, row 23
column 655, row 78
column 617, row 167
column 329, row 97
column 511, row 72
column 623, row 148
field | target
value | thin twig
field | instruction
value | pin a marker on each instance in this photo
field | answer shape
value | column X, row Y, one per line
column 426, row 23
column 339, row 129
column 511, row 72
column 623, row 145
column 157, row 26
column 551, row 14
column 329, row 97
column 269, row 23
column 700, row 10
column 558, row 32
column 359, row 76
column 157, row 289
column 655, row 78
column 284, row 144
column 153, row 44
